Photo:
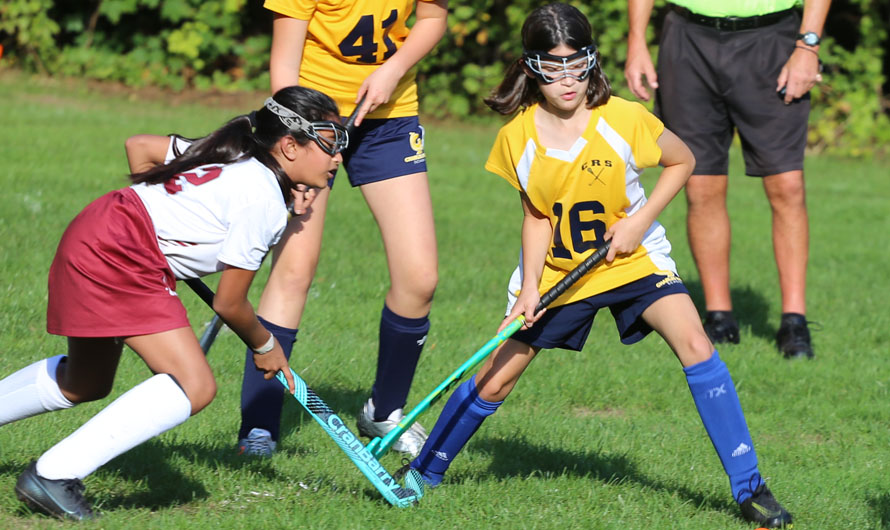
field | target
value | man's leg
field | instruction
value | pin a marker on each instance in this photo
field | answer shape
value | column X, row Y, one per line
column 791, row 241
column 708, row 229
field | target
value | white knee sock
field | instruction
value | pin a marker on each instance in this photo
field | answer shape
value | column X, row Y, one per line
column 32, row 390
column 145, row 411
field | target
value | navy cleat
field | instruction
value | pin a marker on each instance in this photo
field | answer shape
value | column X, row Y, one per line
column 763, row 509
column 59, row 498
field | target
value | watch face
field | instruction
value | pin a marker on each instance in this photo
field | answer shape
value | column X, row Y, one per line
column 809, row 38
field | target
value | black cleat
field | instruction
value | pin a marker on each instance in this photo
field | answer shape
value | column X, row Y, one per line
column 763, row 509
column 59, row 498
column 721, row 327
column 793, row 337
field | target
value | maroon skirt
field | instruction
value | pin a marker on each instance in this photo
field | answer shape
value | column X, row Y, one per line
column 109, row 277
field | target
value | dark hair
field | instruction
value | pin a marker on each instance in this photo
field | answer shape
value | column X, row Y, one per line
column 249, row 136
column 544, row 29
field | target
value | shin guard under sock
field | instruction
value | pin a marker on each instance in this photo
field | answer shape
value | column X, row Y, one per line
column 262, row 399
column 721, row 413
column 32, row 390
column 143, row 412
column 401, row 341
column 460, row 419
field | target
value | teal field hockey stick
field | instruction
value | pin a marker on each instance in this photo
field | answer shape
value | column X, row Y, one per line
column 378, row 446
column 336, row 428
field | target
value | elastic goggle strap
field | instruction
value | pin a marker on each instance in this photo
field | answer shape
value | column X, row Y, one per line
column 551, row 68
column 295, row 122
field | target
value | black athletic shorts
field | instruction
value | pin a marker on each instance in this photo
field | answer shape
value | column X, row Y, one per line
column 712, row 82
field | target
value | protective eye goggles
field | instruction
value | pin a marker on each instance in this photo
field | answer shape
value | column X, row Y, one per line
column 337, row 141
column 551, row 68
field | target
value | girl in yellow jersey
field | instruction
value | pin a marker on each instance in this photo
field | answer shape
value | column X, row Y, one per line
column 575, row 154
column 354, row 49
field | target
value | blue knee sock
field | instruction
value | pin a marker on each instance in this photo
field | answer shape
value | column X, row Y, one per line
column 721, row 413
column 401, row 341
column 261, row 399
column 461, row 417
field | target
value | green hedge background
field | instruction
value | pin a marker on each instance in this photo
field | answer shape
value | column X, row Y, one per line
column 224, row 45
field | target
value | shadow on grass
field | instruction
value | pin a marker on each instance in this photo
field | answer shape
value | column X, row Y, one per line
column 517, row 458
column 881, row 506
column 750, row 308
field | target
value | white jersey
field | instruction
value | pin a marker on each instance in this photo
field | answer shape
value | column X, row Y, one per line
column 216, row 215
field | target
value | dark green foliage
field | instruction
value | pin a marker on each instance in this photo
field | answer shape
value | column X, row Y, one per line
column 224, row 44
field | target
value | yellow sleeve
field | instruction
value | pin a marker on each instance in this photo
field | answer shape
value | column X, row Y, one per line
column 299, row 9
column 500, row 162
column 645, row 137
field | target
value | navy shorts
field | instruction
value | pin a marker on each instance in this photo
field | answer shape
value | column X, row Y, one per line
column 713, row 82
column 567, row 326
column 383, row 149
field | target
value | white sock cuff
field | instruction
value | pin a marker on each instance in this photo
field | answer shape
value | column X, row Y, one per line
column 48, row 387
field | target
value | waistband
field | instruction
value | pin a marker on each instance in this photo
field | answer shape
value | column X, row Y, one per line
column 732, row 23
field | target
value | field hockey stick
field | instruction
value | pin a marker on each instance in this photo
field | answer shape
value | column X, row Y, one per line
column 336, row 428
column 378, row 446
column 216, row 324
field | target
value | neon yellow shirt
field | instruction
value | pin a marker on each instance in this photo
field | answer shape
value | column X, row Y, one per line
column 346, row 41
column 736, row 8
column 587, row 189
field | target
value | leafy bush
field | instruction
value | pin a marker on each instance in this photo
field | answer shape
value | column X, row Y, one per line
column 224, row 44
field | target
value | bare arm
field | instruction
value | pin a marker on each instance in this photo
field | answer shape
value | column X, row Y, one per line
column 288, row 39
column 639, row 61
column 536, row 236
column 233, row 307
column 145, row 151
column 678, row 162
column 801, row 72
column 431, row 20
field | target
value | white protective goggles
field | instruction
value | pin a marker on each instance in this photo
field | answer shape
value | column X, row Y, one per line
column 295, row 122
column 551, row 68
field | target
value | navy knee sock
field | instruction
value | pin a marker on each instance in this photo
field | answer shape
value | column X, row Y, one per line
column 721, row 413
column 401, row 341
column 261, row 399
column 461, row 417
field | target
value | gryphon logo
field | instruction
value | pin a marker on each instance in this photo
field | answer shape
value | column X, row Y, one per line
column 670, row 278
column 717, row 391
column 415, row 140
column 742, row 449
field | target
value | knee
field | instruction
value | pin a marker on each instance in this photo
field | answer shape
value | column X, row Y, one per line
column 199, row 395
column 493, row 389
column 696, row 349
column 85, row 395
column 421, row 283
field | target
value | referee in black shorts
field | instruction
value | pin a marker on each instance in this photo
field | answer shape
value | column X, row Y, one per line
column 746, row 67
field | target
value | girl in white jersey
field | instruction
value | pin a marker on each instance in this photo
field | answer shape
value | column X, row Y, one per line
column 575, row 154
column 218, row 207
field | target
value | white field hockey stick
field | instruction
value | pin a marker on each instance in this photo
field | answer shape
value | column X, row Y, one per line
column 378, row 446
column 336, row 428
column 216, row 324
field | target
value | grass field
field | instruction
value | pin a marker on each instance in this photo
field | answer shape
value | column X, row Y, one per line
column 605, row 438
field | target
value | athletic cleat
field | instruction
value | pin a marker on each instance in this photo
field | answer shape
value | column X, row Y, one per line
column 763, row 509
column 259, row 442
column 58, row 498
column 721, row 327
column 793, row 337
column 411, row 440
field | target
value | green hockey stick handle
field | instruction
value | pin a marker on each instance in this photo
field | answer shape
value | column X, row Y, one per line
column 378, row 446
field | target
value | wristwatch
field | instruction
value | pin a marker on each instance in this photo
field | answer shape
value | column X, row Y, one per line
column 809, row 38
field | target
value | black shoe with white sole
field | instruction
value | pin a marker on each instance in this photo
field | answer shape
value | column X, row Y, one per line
column 763, row 509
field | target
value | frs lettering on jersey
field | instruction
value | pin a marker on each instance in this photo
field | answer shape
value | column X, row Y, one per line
column 596, row 167
column 717, row 391
column 415, row 140
column 670, row 279
column 742, row 449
